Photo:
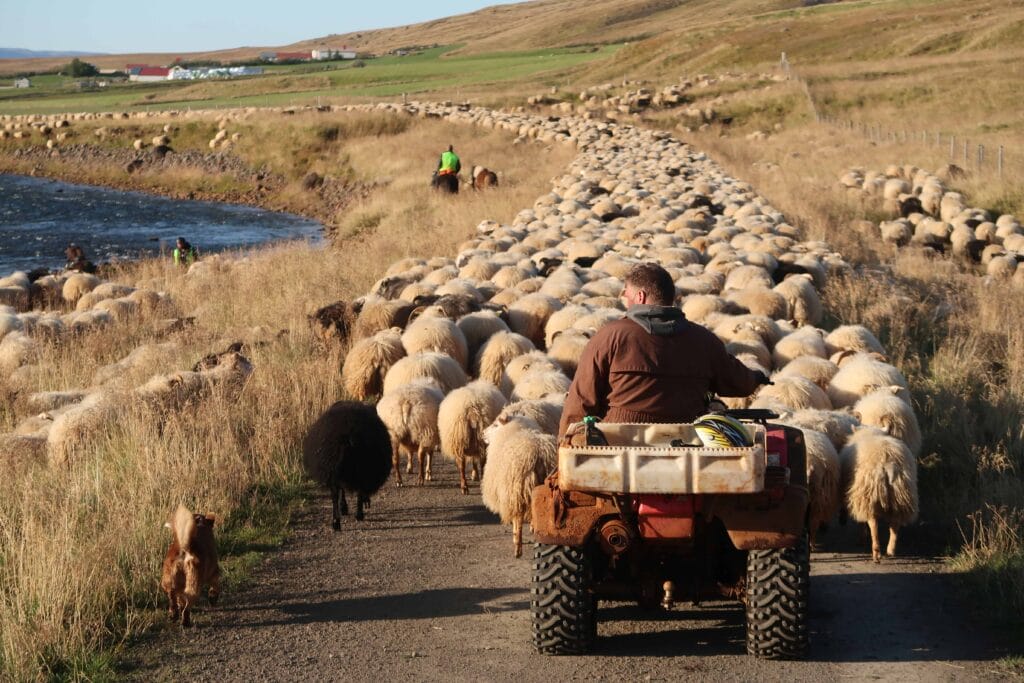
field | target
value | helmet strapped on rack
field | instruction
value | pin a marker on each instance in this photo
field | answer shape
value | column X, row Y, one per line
column 721, row 431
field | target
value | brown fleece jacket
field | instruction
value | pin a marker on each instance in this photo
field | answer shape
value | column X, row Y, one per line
column 630, row 374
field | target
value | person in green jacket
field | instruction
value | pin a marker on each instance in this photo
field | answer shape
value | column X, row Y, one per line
column 184, row 253
column 449, row 163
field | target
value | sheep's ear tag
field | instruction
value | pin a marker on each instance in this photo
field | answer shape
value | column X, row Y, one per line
column 895, row 389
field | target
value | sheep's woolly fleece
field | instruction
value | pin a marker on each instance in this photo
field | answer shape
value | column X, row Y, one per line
column 634, row 195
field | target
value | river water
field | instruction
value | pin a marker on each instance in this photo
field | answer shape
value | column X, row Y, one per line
column 38, row 218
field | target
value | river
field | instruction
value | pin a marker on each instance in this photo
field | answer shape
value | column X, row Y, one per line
column 39, row 217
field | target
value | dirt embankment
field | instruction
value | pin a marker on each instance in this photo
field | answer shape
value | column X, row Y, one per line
column 228, row 178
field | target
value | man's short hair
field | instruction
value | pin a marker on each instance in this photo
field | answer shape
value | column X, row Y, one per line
column 655, row 281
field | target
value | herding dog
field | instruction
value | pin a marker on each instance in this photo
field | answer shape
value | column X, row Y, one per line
column 191, row 561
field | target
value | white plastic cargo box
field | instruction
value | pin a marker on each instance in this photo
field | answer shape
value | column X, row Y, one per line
column 640, row 458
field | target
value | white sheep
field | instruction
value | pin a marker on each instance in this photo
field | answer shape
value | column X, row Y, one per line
column 540, row 382
column 378, row 315
column 463, row 416
column 142, row 357
column 888, row 412
column 175, row 390
column 80, row 426
column 441, row 367
column 818, row 370
column 860, row 375
column 759, row 301
column 478, row 327
column 546, row 412
column 521, row 458
column 802, row 299
column 410, row 414
column 16, row 349
column 495, row 354
column 837, row 425
column 530, row 314
column 521, row 365
column 856, row 338
column 823, row 480
column 368, row 362
column 566, row 349
column 562, row 320
column 805, row 341
column 795, row 393
column 883, row 484
column 77, row 285
column 436, row 334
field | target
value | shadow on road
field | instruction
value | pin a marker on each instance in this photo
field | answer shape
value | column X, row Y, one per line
column 883, row 616
column 426, row 604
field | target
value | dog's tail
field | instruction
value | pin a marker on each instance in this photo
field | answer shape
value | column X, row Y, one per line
column 184, row 531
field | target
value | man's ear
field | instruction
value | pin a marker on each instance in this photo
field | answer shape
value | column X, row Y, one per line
column 641, row 296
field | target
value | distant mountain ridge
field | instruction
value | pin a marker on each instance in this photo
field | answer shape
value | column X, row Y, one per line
column 18, row 53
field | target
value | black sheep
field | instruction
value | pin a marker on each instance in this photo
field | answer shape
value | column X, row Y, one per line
column 348, row 448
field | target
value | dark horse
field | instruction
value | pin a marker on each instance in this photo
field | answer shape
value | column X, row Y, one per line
column 449, row 182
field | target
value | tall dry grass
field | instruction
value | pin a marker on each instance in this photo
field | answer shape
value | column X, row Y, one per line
column 80, row 547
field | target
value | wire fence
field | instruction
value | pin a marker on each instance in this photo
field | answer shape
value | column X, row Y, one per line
column 983, row 158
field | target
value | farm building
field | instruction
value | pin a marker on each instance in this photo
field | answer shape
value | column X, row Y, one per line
column 145, row 74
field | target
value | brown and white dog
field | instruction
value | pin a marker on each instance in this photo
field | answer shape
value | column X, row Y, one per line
column 191, row 562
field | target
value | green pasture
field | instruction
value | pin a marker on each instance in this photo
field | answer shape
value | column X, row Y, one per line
column 430, row 71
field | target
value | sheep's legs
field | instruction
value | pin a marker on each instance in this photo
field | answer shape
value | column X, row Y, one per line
column 396, row 455
column 475, row 470
column 361, row 500
column 430, row 459
column 186, row 611
column 517, row 536
column 461, row 461
column 338, row 509
column 876, row 554
column 408, row 463
column 214, row 592
column 423, row 456
column 891, row 548
column 173, row 612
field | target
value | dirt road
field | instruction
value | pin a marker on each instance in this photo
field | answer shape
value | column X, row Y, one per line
column 427, row 589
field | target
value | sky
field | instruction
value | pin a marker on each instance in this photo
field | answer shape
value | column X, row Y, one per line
column 127, row 26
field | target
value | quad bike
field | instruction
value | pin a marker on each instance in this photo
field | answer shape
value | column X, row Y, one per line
column 658, row 513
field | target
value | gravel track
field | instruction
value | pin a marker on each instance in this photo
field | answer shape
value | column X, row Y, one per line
column 427, row 589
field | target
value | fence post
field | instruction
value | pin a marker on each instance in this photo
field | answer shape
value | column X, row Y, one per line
column 999, row 162
column 981, row 155
column 938, row 138
column 965, row 153
column 952, row 147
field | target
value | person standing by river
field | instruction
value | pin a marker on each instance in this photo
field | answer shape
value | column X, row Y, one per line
column 76, row 259
column 184, row 253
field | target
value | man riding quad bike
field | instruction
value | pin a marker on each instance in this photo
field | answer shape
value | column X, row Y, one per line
column 655, row 504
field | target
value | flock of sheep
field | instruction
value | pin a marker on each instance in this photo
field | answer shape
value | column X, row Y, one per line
column 58, row 425
column 472, row 355
column 930, row 215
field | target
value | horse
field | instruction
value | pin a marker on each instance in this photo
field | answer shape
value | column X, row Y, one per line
column 448, row 182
